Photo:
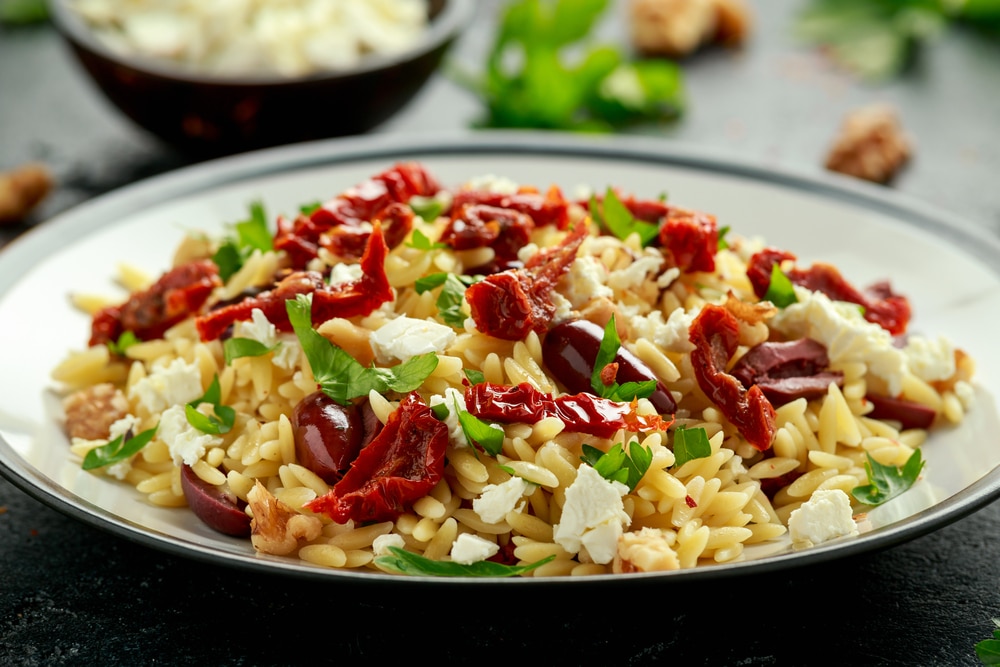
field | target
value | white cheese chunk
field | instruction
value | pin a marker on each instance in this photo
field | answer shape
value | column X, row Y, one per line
column 670, row 335
column 593, row 517
column 382, row 543
column 930, row 360
column 404, row 337
column 497, row 500
column 286, row 346
column 176, row 383
column 454, row 400
column 585, row 281
column 186, row 443
column 468, row 548
column 825, row 516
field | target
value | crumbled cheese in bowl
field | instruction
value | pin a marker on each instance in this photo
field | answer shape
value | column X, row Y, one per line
column 256, row 37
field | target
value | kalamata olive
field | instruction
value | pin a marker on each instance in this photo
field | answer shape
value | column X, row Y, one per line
column 216, row 506
column 570, row 350
column 328, row 435
column 787, row 370
column 370, row 421
column 909, row 414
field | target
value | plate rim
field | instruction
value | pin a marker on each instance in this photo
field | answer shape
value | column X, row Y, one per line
column 65, row 228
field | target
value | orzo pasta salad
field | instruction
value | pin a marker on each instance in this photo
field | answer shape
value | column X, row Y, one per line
column 495, row 379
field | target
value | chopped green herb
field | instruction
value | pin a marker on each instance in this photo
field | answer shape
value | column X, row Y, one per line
column 223, row 419
column 119, row 449
column 690, row 444
column 339, row 375
column 474, row 376
column 407, row 562
column 420, row 241
column 617, row 465
column 247, row 236
column 428, row 208
column 487, row 436
column 23, row 12
column 543, row 70
column 452, row 296
column 234, row 348
column 309, row 209
column 887, row 482
column 781, row 291
column 614, row 216
column 723, row 244
column 124, row 342
column 606, row 354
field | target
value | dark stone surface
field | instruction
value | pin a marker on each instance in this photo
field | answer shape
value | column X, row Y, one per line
column 71, row 594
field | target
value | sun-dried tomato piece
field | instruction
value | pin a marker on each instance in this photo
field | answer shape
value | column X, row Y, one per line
column 512, row 303
column 715, row 336
column 341, row 225
column 358, row 297
column 178, row 294
column 548, row 209
column 581, row 413
column 881, row 305
column 479, row 226
column 692, row 239
column 401, row 465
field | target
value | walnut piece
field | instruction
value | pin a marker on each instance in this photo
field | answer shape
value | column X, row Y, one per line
column 276, row 528
column 645, row 551
column 21, row 190
column 91, row 412
column 677, row 28
column 871, row 145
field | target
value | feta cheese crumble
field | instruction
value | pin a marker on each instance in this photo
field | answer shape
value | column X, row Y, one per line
column 825, row 516
column 403, row 338
column 468, row 548
column 259, row 328
column 176, row 383
column 186, row 443
column 593, row 517
column 496, row 500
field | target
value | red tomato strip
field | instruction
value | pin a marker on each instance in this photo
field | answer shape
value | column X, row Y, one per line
column 359, row 297
column 881, row 305
column 715, row 336
column 148, row 313
column 581, row 413
column 401, row 465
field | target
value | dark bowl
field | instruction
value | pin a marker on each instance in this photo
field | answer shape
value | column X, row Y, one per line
column 215, row 115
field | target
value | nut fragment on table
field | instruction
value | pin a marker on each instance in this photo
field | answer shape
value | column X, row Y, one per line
column 21, row 190
column 677, row 28
column 871, row 145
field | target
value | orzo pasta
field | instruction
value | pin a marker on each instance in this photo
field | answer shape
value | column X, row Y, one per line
column 492, row 379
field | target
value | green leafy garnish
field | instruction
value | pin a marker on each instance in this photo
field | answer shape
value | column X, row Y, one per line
column 223, row 419
column 449, row 301
column 614, row 216
column 617, row 465
column 690, row 444
column 119, row 449
column 339, row 375
column 780, row 291
column 887, row 482
column 248, row 235
column 606, row 354
column 878, row 39
column 723, row 244
column 124, row 342
column 407, row 562
column 474, row 376
column 988, row 650
column 234, row 348
column 310, row 208
column 23, row 12
column 420, row 241
column 543, row 70
column 428, row 208
column 481, row 433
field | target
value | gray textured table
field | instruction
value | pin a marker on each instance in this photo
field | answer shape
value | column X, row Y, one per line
column 71, row 594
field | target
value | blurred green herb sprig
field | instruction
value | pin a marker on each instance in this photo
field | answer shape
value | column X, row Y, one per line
column 545, row 70
column 23, row 12
column 878, row 39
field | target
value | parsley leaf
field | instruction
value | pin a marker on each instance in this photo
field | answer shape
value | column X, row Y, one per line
column 487, row 436
column 234, row 348
column 780, row 291
column 124, row 342
column 224, row 418
column 248, row 235
column 420, row 241
column 988, row 650
column 428, row 208
column 339, row 375
column 887, row 482
column 407, row 562
column 617, row 465
column 614, row 216
column 723, row 244
column 474, row 376
column 119, row 449
column 449, row 301
column 690, row 444
column 543, row 70
column 606, row 354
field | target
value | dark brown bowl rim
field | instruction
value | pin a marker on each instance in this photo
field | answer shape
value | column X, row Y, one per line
column 451, row 19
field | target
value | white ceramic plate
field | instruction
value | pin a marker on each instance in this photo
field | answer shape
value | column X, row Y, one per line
column 945, row 266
